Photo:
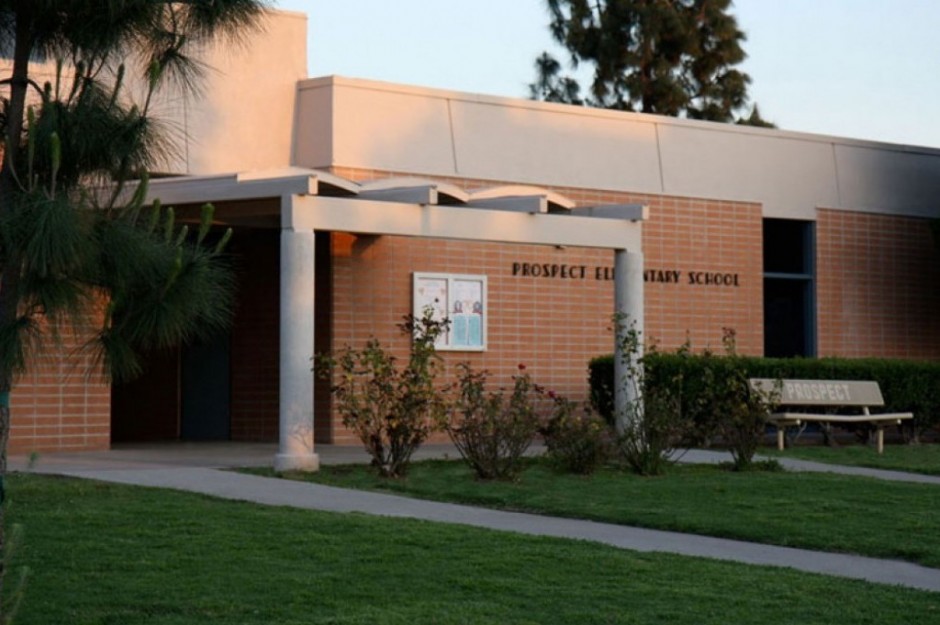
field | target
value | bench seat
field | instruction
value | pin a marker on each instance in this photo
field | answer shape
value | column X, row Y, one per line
column 796, row 418
column 826, row 393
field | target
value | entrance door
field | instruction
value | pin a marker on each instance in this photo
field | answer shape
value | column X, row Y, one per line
column 205, row 391
column 147, row 408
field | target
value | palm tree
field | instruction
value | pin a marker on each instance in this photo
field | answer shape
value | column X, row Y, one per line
column 69, row 245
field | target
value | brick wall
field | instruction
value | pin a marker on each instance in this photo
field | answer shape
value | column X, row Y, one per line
column 61, row 404
column 550, row 325
column 688, row 235
column 878, row 286
column 714, row 237
column 878, row 290
column 554, row 326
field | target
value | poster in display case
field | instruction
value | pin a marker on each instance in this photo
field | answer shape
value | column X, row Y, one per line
column 461, row 299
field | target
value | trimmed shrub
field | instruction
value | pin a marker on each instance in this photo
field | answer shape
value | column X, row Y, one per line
column 907, row 386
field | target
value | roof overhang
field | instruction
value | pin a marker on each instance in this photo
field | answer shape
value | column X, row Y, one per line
column 317, row 200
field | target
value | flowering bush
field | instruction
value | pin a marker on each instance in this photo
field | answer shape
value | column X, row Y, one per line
column 578, row 440
column 490, row 430
column 742, row 411
column 652, row 427
column 392, row 410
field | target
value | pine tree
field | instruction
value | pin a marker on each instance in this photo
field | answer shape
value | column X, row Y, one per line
column 716, row 89
column 666, row 57
column 553, row 88
column 76, row 242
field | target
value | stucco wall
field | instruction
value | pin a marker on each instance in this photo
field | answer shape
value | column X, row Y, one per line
column 245, row 117
column 363, row 124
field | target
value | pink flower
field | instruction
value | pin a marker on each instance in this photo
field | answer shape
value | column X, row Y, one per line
column 551, row 394
column 521, row 367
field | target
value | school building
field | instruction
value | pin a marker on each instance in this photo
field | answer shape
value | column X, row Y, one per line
column 355, row 202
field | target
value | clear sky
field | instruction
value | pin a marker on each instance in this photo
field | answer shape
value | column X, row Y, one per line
column 866, row 69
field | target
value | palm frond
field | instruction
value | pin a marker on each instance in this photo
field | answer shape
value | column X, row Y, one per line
column 62, row 250
column 18, row 341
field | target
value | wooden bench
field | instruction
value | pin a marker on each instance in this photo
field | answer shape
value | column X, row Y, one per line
column 830, row 394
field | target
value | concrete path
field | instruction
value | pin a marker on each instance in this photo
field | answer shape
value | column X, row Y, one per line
column 198, row 472
column 702, row 456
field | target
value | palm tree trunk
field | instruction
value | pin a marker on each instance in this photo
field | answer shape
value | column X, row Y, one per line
column 9, row 275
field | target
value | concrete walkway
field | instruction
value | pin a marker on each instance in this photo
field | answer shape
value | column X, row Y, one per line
column 701, row 456
column 196, row 469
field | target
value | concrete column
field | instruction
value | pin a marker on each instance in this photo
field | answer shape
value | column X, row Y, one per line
column 295, row 450
column 628, row 307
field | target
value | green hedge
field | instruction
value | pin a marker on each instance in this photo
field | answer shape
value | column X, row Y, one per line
column 906, row 386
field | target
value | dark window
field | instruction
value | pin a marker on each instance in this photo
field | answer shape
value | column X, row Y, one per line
column 788, row 246
column 789, row 288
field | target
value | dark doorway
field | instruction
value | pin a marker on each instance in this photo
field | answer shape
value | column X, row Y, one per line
column 205, row 390
column 785, row 333
column 182, row 394
column 146, row 409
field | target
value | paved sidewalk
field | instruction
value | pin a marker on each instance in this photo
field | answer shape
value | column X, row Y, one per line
column 702, row 456
column 195, row 469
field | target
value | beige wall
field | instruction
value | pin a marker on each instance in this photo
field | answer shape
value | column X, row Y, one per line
column 243, row 119
column 344, row 122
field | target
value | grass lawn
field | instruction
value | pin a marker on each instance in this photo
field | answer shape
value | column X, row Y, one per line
column 913, row 458
column 813, row 510
column 109, row 554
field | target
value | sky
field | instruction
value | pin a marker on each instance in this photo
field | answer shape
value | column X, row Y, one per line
column 865, row 69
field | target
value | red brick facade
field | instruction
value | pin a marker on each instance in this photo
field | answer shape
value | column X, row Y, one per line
column 552, row 325
column 688, row 235
column 878, row 286
column 61, row 404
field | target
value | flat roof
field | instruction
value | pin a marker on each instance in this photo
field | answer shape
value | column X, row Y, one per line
column 379, row 126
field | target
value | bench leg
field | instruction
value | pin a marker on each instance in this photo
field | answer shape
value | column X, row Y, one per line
column 781, row 433
column 880, row 439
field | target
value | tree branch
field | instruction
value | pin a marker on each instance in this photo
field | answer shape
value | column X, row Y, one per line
column 28, row 81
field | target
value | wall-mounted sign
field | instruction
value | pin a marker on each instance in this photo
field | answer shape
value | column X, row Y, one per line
column 587, row 272
column 462, row 300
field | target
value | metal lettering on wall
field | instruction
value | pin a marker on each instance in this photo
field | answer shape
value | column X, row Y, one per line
column 585, row 272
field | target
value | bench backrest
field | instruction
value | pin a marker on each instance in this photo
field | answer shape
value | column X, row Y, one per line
column 821, row 392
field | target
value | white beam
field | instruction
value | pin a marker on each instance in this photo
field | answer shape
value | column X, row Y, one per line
column 630, row 212
column 232, row 187
column 198, row 190
column 359, row 216
column 551, row 198
column 521, row 203
column 426, row 194
column 446, row 192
